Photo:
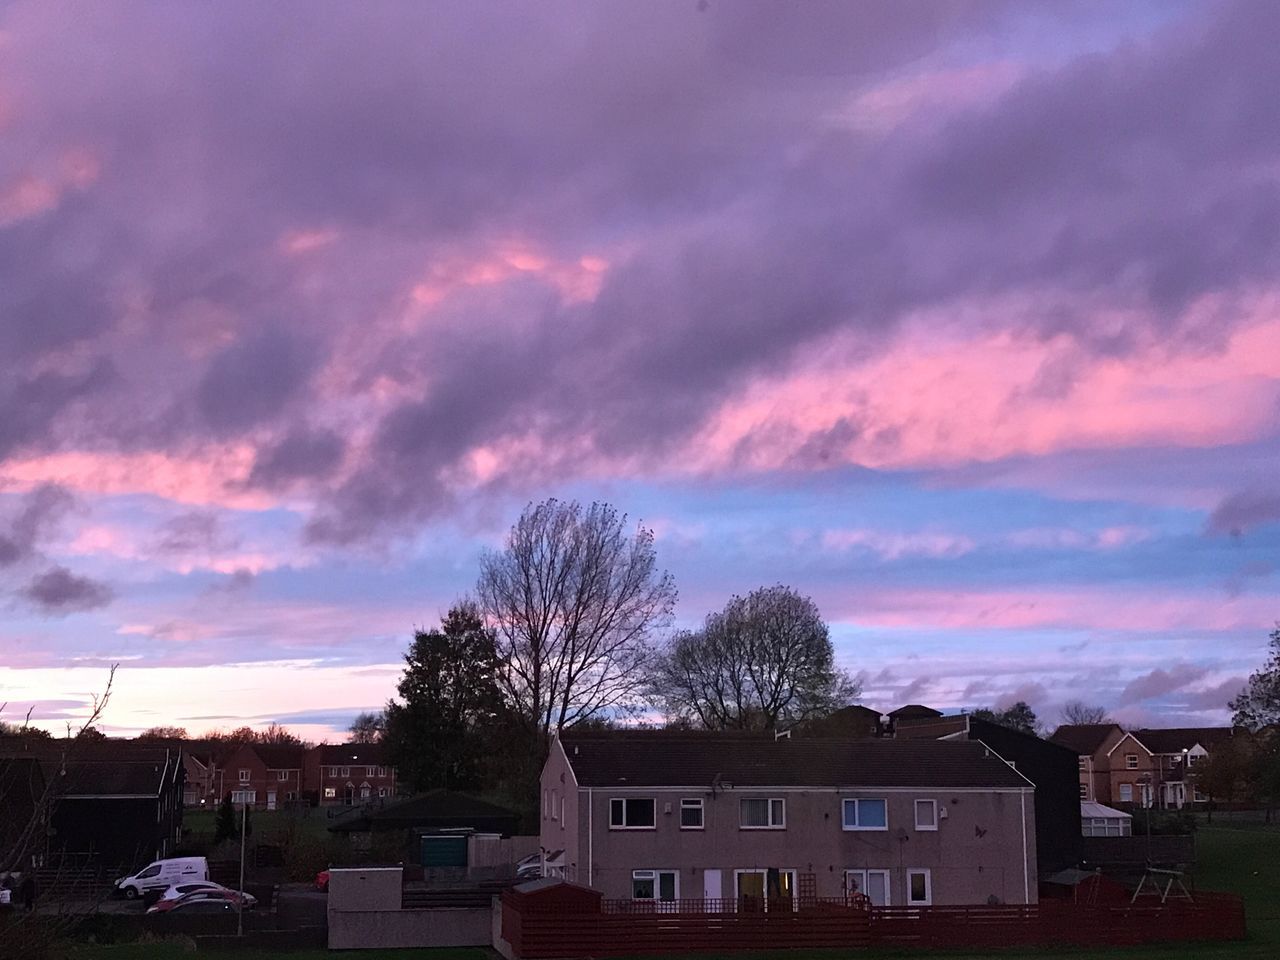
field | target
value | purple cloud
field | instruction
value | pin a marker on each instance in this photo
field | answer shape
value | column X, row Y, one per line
column 58, row 591
column 1160, row 682
column 1242, row 512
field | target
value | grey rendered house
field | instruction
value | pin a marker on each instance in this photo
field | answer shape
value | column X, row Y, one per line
column 655, row 817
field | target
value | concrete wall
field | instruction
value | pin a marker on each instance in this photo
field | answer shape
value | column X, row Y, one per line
column 365, row 912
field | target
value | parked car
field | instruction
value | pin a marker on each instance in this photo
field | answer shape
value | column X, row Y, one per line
column 162, row 874
column 322, row 881
column 228, row 899
column 530, row 868
column 178, row 891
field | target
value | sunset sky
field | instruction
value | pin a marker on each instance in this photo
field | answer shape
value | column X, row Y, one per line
column 961, row 317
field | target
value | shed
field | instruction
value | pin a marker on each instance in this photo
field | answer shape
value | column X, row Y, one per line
column 558, row 896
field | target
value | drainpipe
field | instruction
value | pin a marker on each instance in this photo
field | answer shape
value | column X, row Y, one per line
column 1026, row 866
column 590, row 833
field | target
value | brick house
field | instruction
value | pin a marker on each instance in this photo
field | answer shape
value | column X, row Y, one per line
column 704, row 817
column 1139, row 767
column 267, row 776
column 349, row 773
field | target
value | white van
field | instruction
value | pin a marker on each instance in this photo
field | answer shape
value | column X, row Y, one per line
column 162, row 874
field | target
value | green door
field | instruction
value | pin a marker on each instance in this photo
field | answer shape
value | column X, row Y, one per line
column 444, row 851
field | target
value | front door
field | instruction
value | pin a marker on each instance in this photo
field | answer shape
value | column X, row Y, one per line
column 271, row 799
column 873, row 884
column 712, row 890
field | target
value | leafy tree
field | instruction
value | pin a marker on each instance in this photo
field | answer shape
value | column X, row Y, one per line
column 439, row 733
column 368, row 727
column 573, row 599
column 1258, row 704
column 1226, row 773
column 1019, row 717
column 224, row 825
column 764, row 659
column 90, row 733
column 1078, row 712
column 164, row 733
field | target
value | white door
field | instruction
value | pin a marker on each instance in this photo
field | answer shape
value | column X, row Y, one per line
column 712, row 889
column 271, row 799
column 873, row 884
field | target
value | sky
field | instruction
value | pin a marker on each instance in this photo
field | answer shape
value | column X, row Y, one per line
column 962, row 318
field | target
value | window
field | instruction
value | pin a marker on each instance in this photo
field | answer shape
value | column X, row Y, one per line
column 1126, row 793
column 382, row 771
column 1082, row 763
column 919, row 888
column 244, row 796
column 660, row 885
column 244, row 776
column 762, row 814
column 1192, row 759
column 330, row 792
column 926, row 814
column 151, row 871
column 333, row 771
column 632, row 813
column 282, row 774
column 691, row 814
column 346, row 771
column 1197, row 796
column 863, row 814
column 364, row 791
column 770, row 889
column 370, row 771
column 382, row 791
column 1084, row 791
column 872, row 884
column 1131, row 761
column 291, row 795
column 555, row 806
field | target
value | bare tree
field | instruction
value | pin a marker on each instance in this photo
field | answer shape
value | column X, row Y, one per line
column 765, row 659
column 1078, row 712
column 368, row 727
column 163, row 733
column 573, row 600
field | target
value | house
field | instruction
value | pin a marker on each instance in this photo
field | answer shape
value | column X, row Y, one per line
column 1050, row 766
column 349, row 773
column 906, row 822
column 847, row 723
column 911, row 712
column 1138, row 767
column 115, row 801
column 22, row 792
column 267, row 776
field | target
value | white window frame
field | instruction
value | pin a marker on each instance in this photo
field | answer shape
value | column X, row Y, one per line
column 330, row 793
column 774, row 804
column 929, row 828
column 243, row 797
column 555, row 807
column 624, row 825
column 1123, row 788
column 333, row 772
column 855, row 824
column 655, row 876
column 282, row 774
column 245, row 775
column 693, row 803
column 863, row 876
column 928, row 887
column 346, row 771
column 794, row 874
column 382, row 791
column 1131, row 761
column 1084, row 791
column 371, row 771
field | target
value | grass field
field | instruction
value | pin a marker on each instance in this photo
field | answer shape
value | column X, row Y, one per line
column 1241, row 859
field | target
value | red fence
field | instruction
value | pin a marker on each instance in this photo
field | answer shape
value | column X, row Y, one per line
column 620, row 928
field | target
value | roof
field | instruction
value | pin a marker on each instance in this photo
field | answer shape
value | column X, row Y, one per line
column 1175, row 740
column 352, row 753
column 1100, row 811
column 106, row 779
column 915, row 728
column 850, row 721
column 1084, row 738
column 914, row 710
column 643, row 761
column 280, row 756
column 434, row 809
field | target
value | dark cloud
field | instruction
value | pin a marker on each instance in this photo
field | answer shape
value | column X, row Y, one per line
column 302, row 454
column 59, row 591
column 1161, row 682
column 253, row 379
column 196, row 530
column 38, row 512
column 1242, row 512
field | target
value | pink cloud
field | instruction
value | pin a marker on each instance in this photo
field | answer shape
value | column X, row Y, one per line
column 31, row 194
column 893, row 546
column 305, row 241
column 887, row 105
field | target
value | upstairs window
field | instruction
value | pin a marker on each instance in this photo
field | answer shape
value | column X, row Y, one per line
column 244, row 776
column 1131, row 761
column 866, row 814
column 763, row 814
column 691, row 814
column 282, row 774
column 926, row 814
column 632, row 813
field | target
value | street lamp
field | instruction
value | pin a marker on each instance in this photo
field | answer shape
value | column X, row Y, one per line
column 1145, row 782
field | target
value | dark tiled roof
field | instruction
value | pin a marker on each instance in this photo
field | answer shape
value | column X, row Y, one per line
column 930, row 728
column 1175, row 740
column 914, row 710
column 436, row 808
column 280, row 756
column 105, row 779
column 352, row 753
column 100, row 751
column 1083, row 738
column 642, row 761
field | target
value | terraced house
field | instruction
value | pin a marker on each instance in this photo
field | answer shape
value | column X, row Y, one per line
column 733, row 820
